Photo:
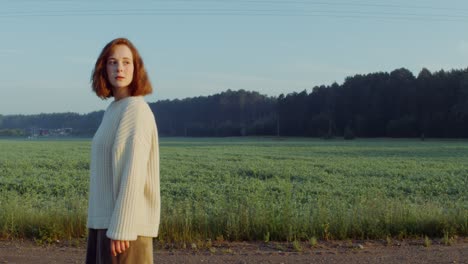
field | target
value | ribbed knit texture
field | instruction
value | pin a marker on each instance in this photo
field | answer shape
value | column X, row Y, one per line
column 124, row 195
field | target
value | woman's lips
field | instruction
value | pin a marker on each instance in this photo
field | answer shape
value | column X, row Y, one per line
column 119, row 78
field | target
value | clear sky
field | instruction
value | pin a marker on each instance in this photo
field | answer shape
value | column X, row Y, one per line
column 201, row 47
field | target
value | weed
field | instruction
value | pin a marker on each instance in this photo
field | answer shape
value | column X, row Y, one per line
column 427, row 241
column 227, row 251
column 447, row 239
column 280, row 247
column 297, row 246
column 313, row 241
column 326, row 232
column 389, row 241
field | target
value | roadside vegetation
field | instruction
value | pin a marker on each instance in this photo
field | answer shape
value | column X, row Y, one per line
column 256, row 189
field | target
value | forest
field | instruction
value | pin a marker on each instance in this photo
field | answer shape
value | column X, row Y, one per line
column 380, row 104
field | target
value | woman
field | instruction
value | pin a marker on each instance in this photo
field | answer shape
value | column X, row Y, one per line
column 124, row 198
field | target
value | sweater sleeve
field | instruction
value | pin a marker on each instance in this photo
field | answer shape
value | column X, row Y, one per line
column 131, row 150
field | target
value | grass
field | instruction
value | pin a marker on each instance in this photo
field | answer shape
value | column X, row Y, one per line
column 427, row 241
column 297, row 246
column 252, row 189
column 313, row 241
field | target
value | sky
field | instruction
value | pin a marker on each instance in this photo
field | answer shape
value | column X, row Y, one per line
column 201, row 47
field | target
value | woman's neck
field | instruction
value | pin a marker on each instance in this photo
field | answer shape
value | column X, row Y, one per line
column 120, row 93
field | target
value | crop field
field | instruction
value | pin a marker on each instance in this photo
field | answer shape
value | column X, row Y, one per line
column 253, row 189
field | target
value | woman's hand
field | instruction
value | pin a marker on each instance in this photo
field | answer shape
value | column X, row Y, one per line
column 119, row 246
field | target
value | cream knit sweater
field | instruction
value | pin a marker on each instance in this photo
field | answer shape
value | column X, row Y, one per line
column 124, row 192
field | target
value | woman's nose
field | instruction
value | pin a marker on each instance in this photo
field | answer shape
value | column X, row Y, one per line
column 119, row 67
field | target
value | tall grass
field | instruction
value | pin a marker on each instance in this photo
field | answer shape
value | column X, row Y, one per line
column 249, row 189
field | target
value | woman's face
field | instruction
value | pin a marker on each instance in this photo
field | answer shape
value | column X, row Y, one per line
column 119, row 67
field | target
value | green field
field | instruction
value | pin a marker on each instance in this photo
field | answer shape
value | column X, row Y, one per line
column 253, row 189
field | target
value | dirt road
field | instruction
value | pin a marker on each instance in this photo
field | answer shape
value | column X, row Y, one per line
column 407, row 251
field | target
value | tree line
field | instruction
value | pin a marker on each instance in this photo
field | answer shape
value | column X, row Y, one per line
column 381, row 104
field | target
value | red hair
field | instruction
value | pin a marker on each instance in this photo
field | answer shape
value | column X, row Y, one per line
column 140, row 84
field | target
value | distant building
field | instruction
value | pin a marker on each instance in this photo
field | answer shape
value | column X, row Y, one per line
column 48, row 132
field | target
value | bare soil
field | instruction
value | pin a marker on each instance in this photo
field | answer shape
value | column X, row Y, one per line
column 350, row 252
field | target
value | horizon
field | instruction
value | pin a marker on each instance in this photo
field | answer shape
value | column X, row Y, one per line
column 200, row 48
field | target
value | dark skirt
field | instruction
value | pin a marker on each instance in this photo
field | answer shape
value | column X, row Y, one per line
column 98, row 251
